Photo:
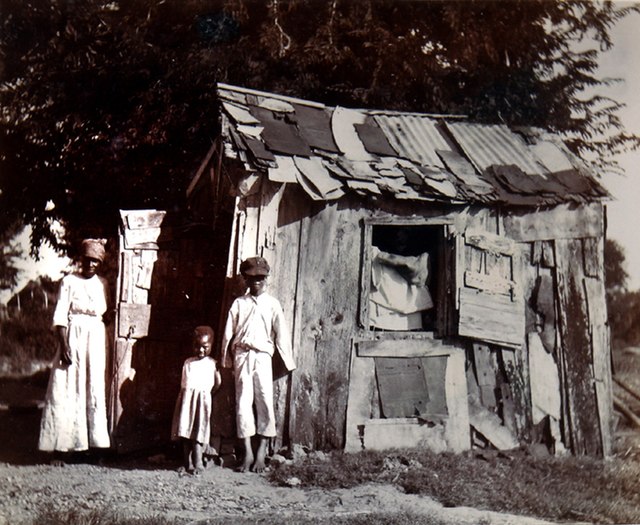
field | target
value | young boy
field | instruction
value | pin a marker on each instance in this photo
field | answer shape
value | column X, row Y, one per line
column 255, row 329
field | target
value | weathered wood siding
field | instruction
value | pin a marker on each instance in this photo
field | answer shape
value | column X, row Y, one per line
column 543, row 262
column 328, row 301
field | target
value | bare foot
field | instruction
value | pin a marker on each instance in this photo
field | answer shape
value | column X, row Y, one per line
column 258, row 466
column 198, row 471
column 246, row 464
column 248, row 456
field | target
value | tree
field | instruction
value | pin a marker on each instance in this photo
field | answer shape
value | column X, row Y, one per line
column 112, row 105
column 615, row 273
column 623, row 306
column 8, row 253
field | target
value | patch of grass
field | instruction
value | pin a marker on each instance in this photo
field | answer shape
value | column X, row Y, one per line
column 26, row 339
column 568, row 488
column 48, row 516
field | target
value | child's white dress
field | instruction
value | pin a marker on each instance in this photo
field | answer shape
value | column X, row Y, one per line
column 192, row 415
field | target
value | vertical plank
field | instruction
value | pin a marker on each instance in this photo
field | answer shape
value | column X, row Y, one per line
column 516, row 369
column 248, row 238
column 435, row 368
column 283, row 284
column 457, row 429
column 576, row 349
column 548, row 256
column 486, row 374
column 601, row 352
column 361, row 390
column 592, row 255
column 271, row 197
column 329, row 277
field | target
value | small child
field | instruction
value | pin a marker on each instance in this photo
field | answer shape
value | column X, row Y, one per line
column 192, row 415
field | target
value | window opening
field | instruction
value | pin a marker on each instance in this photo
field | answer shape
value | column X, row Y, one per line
column 404, row 284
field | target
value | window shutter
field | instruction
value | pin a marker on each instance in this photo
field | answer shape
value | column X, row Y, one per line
column 489, row 301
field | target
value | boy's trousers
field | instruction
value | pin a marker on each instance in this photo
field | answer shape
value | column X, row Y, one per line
column 254, row 384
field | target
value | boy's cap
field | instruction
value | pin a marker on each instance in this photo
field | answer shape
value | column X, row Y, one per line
column 254, row 266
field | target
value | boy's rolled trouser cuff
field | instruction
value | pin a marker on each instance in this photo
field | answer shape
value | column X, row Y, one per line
column 254, row 384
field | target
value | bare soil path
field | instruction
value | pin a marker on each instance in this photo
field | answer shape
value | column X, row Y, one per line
column 147, row 487
column 218, row 493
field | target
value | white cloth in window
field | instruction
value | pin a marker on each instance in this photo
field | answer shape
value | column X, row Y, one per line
column 399, row 292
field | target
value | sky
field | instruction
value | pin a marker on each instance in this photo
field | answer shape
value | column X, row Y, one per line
column 623, row 213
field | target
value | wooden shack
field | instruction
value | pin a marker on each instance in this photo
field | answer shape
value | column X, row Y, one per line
column 509, row 344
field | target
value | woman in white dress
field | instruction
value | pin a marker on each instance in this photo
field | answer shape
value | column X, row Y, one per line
column 74, row 417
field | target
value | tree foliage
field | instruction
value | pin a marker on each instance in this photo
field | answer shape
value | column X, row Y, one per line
column 9, row 252
column 111, row 104
column 623, row 306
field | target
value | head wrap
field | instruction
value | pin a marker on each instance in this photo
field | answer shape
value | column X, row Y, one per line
column 93, row 248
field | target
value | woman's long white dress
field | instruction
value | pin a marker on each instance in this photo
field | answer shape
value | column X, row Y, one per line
column 75, row 411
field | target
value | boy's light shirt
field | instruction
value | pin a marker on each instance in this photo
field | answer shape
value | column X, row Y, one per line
column 257, row 322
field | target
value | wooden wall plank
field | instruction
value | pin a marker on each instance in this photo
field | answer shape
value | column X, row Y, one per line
column 564, row 221
column 576, row 355
column 283, row 284
column 491, row 318
column 486, row 374
column 384, row 434
column 403, row 386
column 457, row 430
column 495, row 284
column 601, row 352
column 592, row 254
column 548, row 255
column 362, row 387
column 329, row 303
column 143, row 219
column 404, row 348
column 516, row 363
column 248, row 238
column 489, row 242
column 435, row 368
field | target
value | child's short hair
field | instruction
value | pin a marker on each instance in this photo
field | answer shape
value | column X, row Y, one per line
column 200, row 331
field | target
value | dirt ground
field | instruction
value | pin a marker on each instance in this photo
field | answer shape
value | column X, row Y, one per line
column 149, row 485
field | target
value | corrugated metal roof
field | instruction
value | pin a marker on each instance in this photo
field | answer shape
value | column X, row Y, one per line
column 494, row 145
column 413, row 137
column 330, row 151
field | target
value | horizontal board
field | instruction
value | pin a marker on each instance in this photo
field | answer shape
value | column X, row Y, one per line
column 382, row 434
column 565, row 221
column 491, row 318
column 133, row 320
column 143, row 219
column 489, row 283
column 146, row 238
column 489, row 242
column 402, row 348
